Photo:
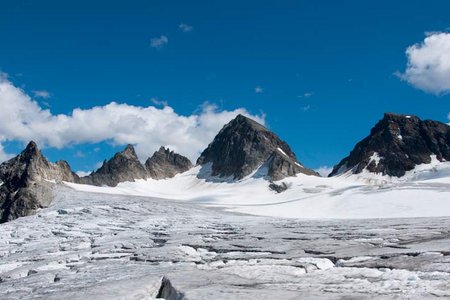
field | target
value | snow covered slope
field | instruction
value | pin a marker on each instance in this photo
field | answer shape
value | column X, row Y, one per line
column 422, row 192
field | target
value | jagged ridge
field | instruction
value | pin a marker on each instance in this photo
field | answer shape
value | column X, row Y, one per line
column 26, row 185
column 123, row 166
column 166, row 164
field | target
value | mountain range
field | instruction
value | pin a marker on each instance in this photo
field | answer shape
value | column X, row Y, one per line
column 243, row 148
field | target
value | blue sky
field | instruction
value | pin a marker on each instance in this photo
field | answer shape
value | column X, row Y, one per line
column 322, row 72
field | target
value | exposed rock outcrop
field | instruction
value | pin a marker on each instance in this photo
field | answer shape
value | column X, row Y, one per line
column 281, row 165
column 27, row 182
column 243, row 145
column 279, row 188
column 124, row 166
column 168, row 292
column 397, row 144
column 166, row 164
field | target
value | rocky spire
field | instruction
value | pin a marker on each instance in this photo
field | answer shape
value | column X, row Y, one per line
column 396, row 144
column 124, row 166
column 166, row 164
column 243, row 145
column 26, row 182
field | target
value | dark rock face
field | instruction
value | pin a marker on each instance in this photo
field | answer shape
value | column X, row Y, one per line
column 281, row 166
column 124, row 166
column 279, row 188
column 397, row 144
column 244, row 145
column 26, row 182
column 166, row 164
column 167, row 291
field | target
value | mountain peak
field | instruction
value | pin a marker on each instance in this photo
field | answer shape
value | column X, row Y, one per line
column 243, row 122
column 166, row 164
column 396, row 144
column 129, row 152
column 242, row 146
column 31, row 146
column 26, row 184
column 163, row 149
column 123, row 166
column 31, row 150
column 395, row 116
column 242, row 118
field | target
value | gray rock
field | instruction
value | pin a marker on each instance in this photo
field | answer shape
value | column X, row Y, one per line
column 243, row 145
column 27, row 182
column 124, row 166
column 166, row 164
column 66, row 172
column 168, row 292
column 401, row 142
column 279, row 188
column 281, row 166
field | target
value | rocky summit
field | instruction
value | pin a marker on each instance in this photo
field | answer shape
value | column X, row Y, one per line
column 124, row 166
column 243, row 145
column 396, row 145
column 27, row 182
column 166, row 164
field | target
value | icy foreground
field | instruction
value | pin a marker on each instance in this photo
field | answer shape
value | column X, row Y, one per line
column 98, row 246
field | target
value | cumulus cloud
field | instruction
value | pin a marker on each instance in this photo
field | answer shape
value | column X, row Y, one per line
column 185, row 27
column 159, row 41
column 83, row 173
column 23, row 119
column 324, row 171
column 428, row 65
column 259, row 89
column 41, row 94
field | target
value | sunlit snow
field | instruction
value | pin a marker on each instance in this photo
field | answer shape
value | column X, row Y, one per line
column 422, row 192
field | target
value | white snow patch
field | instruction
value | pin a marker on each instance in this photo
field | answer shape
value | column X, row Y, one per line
column 282, row 152
column 422, row 192
column 376, row 158
column 298, row 164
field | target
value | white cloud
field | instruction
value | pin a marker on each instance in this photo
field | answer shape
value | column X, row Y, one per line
column 79, row 154
column 83, row 173
column 159, row 42
column 259, row 89
column 157, row 102
column 428, row 65
column 306, row 107
column 41, row 94
column 22, row 119
column 185, row 27
column 306, row 95
column 324, row 170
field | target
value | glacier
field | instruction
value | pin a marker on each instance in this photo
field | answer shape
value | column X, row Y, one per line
column 359, row 236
